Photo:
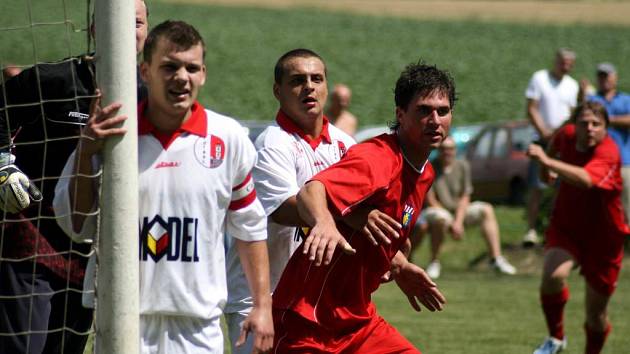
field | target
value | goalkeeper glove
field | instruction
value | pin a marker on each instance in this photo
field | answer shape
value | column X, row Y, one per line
column 16, row 190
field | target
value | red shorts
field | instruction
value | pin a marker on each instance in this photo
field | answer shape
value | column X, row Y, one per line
column 599, row 256
column 295, row 334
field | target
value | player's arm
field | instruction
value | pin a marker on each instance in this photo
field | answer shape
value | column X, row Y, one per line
column 255, row 262
column 287, row 213
column 324, row 236
column 103, row 123
column 572, row 174
column 620, row 121
column 377, row 226
column 533, row 113
column 416, row 284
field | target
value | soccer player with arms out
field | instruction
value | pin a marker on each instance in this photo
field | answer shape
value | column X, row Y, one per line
column 587, row 225
column 323, row 300
column 195, row 183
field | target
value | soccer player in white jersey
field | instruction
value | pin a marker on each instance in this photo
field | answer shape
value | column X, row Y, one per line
column 195, row 183
column 302, row 143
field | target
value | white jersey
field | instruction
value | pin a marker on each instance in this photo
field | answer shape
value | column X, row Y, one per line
column 286, row 161
column 555, row 98
column 194, row 187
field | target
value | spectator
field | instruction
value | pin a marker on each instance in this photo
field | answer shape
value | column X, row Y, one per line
column 289, row 154
column 618, row 107
column 551, row 95
column 42, row 270
column 338, row 109
column 450, row 209
column 322, row 302
column 206, row 190
column 587, row 225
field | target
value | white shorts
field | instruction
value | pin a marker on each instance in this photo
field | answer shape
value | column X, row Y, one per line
column 234, row 322
column 474, row 214
column 160, row 334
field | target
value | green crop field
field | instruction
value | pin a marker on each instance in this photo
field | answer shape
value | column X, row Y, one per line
column 491, row 63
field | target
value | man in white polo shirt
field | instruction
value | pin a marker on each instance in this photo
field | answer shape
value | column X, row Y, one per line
column 301, row 144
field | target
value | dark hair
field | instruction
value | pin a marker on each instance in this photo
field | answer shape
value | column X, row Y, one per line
column 180, row 33
column 597, row 108
column 278, row 71
column 425, row 80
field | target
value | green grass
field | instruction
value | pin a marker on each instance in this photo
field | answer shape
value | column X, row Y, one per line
column 491, row 62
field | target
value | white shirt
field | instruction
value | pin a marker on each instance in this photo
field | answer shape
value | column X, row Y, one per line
column 555, row 98
column 286, row 161
column 191, row 193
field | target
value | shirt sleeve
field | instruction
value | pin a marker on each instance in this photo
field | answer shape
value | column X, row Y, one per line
column 468, row 187
column 604, row 166
column 533, row 89
column 275, row 177
column 246, row 218
column 364, row 170
column 62, row 205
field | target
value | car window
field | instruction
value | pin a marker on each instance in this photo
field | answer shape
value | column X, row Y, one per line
column 484, row 143
column 501, row 143
column 521, row 138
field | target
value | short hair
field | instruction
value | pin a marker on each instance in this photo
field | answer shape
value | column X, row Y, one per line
column 597, row 108
column 278, row 71
column 422, row 79
column 180, row 33
column 566, row 53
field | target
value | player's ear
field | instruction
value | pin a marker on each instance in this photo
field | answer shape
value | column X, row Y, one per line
column 144, row 70
column 399, row 114
column 203, row 69
column 276, row 91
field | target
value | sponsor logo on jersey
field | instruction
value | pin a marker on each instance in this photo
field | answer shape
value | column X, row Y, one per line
column 301, row 233
column 4, row 175
column 172, row 238
column 407, row 215
column 210, row 151
column 164, row 164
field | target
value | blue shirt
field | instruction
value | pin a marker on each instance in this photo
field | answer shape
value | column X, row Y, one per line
column 617, row 106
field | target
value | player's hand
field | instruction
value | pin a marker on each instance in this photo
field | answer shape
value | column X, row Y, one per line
column 322, row 241
column 381, row 228
column 537, row 153
column 419, row 288
column 102, row 123
column 259, row 322
column 17, row 191
column 457, row 230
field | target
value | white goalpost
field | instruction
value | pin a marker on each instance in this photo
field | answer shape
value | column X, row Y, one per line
column 117, row 308
column 32, row 35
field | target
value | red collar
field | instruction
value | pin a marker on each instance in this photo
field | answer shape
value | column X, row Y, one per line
column 289, row 126
column 196, row 124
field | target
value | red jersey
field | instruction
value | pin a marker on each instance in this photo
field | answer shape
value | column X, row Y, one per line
column 338, row 296
column 595, row 212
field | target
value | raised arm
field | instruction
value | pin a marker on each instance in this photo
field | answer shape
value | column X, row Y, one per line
column 572, row 174
column 324, row 236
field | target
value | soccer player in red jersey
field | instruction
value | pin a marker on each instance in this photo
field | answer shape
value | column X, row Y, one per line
column 323, row 300
column 587, row 224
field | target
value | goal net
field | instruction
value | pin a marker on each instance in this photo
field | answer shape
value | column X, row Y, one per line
column 49, row 73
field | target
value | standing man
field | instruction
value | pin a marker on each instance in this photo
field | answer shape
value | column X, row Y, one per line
column 301, row 144
column 338, row 109
column 450, row 209
column 323, row 300
column 195, row 183
column 551, row 95
column 618, row 107
column 41, row 271
column 587, row 225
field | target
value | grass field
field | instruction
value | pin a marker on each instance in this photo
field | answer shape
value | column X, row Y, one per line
column 491, row 63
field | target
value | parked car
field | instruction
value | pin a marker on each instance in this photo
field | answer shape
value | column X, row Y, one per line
column 498, row 161
column 462, row 134
column 253, row 128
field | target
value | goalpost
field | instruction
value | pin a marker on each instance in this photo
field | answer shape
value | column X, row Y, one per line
column 117, row 319
column 44, row 39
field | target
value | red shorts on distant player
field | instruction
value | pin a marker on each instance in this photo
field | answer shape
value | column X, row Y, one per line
column 295, row 334
column 599, row 257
